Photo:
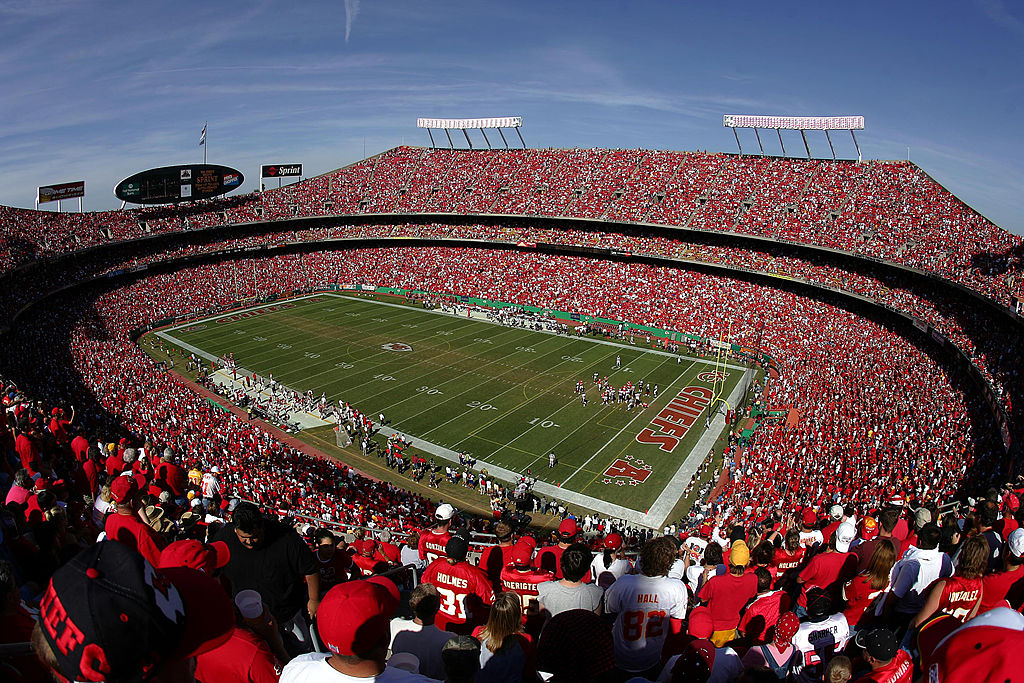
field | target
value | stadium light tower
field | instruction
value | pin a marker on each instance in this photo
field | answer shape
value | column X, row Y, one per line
column 800, row 123
column 464, row 125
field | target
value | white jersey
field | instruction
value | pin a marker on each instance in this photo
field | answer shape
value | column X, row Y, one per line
column 808, row 539
column 210, row 485
column 695, row 545
column 816, row 642
column 606, row 576
column 643, row 605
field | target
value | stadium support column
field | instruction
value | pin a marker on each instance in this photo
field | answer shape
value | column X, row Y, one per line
column 737, row 135
column 829, row 138
column 781, row 143
column 432, row 143
column 450, row 143
column 468, row 141
column 758, row 136
column 521, row 138
column 485, row 139
column 503, row 138
column 806, row 146
column 859, row 158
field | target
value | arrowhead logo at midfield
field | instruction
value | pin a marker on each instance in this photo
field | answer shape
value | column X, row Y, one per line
column 396, row 346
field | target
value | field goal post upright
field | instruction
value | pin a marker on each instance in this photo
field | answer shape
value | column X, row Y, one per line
column 798, row 123
column 496, row 122
column 721, row 362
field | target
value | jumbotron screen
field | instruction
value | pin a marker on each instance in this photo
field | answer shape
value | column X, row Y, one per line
column 172, row 184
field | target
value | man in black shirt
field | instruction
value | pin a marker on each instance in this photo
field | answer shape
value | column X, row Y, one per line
column 272, row 559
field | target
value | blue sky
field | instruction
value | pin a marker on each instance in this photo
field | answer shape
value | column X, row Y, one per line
column 101, row 90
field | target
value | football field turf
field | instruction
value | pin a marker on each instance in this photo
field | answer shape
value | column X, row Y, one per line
column 505, row 396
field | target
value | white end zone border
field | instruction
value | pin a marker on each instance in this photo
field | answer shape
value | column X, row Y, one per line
column 654, row 517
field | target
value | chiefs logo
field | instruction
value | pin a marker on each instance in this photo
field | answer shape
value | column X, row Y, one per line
column 396, row 346
column 717, row 376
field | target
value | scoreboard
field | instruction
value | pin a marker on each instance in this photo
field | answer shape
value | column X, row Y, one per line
column 172, row 184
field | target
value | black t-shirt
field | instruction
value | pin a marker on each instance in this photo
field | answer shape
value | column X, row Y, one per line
column 277, row 569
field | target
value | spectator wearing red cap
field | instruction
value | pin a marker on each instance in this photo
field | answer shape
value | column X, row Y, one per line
column 272, row 559
column 354, row 623
column 885, row 524
column 1006, row 587
column 647, row 607
column 109, row 615
column 206, row 557
column 522, row 579
column 426, row 641
column 548, row 558
column 810, row 536
column 432, row 542
column 366, row 557
column 726, row 594
column 607, row 566
column 464, row 589
column 126, row 526
column 701, row 660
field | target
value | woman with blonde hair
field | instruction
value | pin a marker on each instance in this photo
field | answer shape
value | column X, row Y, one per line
column 506, row 652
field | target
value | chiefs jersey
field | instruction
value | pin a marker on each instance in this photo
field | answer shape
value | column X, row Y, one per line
column 959, row 596
column 695, row 546
column 524, row 584
column 643, row 606
column 432, row 545
column 465, row 592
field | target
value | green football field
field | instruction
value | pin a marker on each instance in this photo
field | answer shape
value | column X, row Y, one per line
column 505, row 396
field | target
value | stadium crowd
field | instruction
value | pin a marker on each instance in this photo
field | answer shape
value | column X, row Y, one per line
column 887, row 210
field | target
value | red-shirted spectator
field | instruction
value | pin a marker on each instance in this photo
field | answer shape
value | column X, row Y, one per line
column 464, row 589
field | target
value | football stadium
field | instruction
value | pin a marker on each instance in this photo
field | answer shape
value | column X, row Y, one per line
column 492, row 412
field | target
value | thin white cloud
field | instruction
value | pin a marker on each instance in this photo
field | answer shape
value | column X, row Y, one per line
column 351, row 12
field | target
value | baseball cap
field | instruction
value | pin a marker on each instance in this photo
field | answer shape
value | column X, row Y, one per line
column 444, row 512
column 700, row 624
column 215, row 470
column 568, row 528
column 819, row 604
column 530, row 541
column 123, row 489
column 367, row 546
column 613, row 541
column 922, row 516
column 987, row 648
column 196, row 555
column 705, row 531
column 522, row 554
column 809, row 517
column 835, row 512
column 845, row 535
column 1015, row 541
column 696, row 662
column 740, row 554
column 457, row 548
column 880, row 643
column 108, row 615
column 355, row 616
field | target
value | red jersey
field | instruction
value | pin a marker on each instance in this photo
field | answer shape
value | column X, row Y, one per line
column 1008, row 586
column 493, row 561
column 244, row 657
column 959, row 596
column 763, row 613
column 783, row 560
column 829, row 571
column 387, row 552
column 80, row 447
column 432, row 545
column 524, row 584
column 859, row 595
column 899, row 670
column 465, row 593
column 174, row 476
column 726, row 595
column 129, row 530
